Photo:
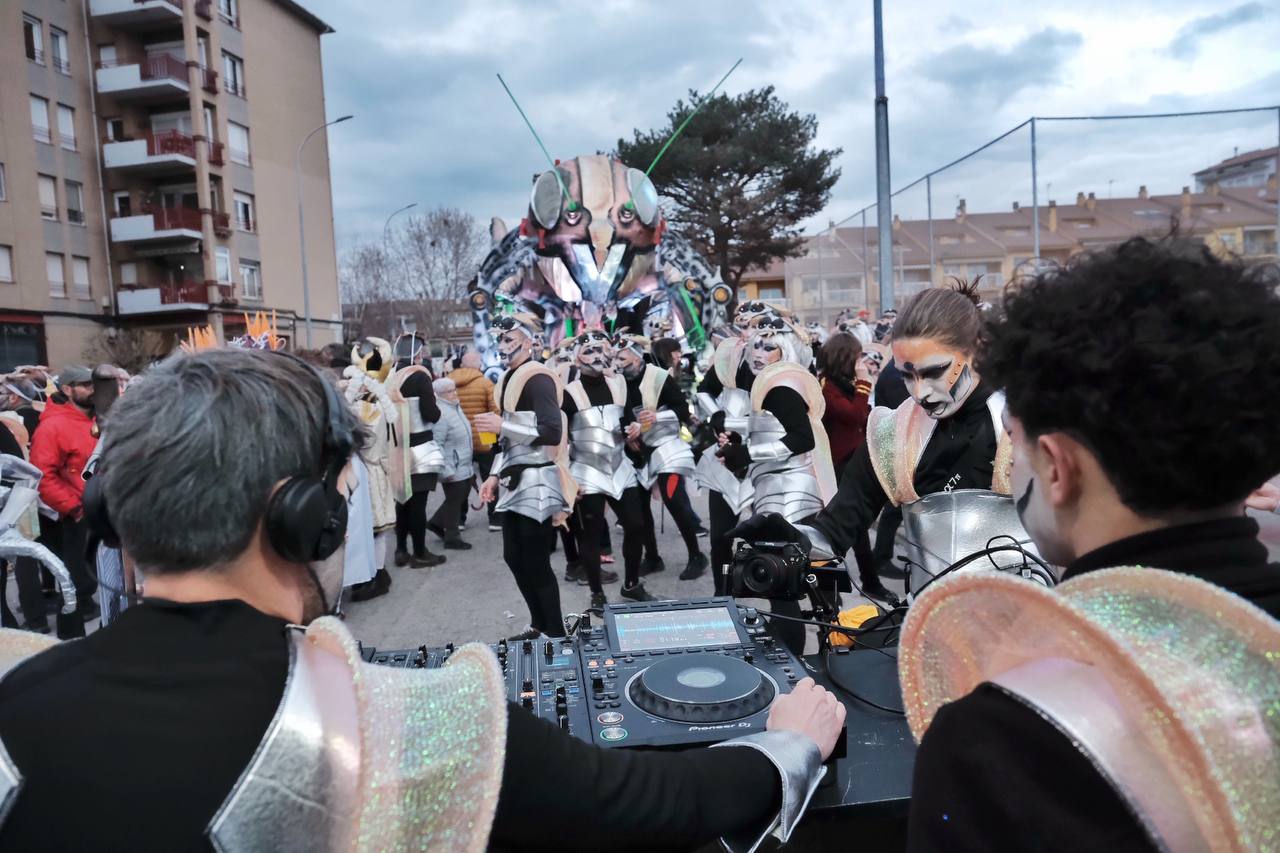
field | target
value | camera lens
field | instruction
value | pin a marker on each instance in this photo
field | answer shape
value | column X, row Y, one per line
column 762, row 573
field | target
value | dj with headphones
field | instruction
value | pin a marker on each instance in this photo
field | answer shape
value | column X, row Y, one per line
column 228, row 710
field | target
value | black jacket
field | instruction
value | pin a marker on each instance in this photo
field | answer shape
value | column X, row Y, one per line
column 131, row 738
column 991, row 774
column 960, row 455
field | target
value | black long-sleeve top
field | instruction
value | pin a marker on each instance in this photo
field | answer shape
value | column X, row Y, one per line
column 167, row 705
column 792, row 412
column 599, row 393
column 712, row 385
column 418, row 384
column 537, row 396
column 960, row 455
column 991, row 774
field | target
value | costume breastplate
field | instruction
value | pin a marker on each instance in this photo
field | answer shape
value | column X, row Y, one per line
column 416, row 423
column 525, row 454
column 736, row 405
column 596, row 451
column 783, row 483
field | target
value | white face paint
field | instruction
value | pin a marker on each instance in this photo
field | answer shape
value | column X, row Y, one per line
column 939, row 379
column 594, row 355
column 511, row 344
column 765, row 350
column 629, row 361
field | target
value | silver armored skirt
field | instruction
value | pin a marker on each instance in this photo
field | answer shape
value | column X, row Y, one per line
column 671, row 453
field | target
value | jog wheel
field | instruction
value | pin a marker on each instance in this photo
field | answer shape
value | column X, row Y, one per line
column 702, row 689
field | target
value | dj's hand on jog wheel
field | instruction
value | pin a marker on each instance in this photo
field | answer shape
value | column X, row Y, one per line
column 811, row 710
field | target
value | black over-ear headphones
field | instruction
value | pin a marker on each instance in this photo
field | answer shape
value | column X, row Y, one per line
column 306, row 518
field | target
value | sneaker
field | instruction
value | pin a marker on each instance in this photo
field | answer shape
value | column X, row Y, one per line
column 402, row 558
column 456, row 545
column 877, row 592
column 703, row 532
column 606, row 559
column 651, row 566
column 35, row 627
column 529, row 633
column 494, row 527
column 636, row 593
column 370, row 590
column 598, row 602
column 573, row 573
column 697, row 566
column 426, row 561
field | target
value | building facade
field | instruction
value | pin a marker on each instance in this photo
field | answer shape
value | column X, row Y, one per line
column 147, row 172
column 839, row 268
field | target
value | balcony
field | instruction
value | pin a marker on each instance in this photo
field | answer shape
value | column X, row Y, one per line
column 204, row 8
column 137, row 14
column 215, row 154
column 209, row 80
column 221, row 224
column 160, row 153
column 154, row 78
column 181, row 295
column 163, row 223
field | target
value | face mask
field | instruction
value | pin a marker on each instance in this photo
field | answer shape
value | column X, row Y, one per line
column 593, row 357
column 938, row 379
column 511, row 344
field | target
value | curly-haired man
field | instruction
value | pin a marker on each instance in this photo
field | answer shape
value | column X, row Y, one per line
column 1142, row 386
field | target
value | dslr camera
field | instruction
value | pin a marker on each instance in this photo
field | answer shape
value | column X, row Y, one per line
column 780, row 571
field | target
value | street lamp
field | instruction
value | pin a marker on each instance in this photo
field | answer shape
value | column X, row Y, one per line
column 302, row 231
column 394, row 214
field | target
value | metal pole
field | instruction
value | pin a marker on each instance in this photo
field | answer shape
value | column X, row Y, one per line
column 884, row 212
column 387, row 224
column 928, row 200
column 1277, row 241
column 866, row 265
column 1035, row 199
column 302, row 230
column 822, row 283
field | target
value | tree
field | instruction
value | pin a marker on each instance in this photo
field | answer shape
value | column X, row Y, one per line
column 420, row 267
column 133, row 349
column 742, row 176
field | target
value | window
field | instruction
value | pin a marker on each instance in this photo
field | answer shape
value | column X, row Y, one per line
column 1260, row 241
column 210, row 124
column 238, row 143
column 40, row 119
column 80, row 277
column 121, row 204
column 106, row 55
column 408, row 324
column 3, row 191
column 128, row 273
column 250, row 280
column 58, row 51
column 53, row 266
column 115, row 129
column 6, row 263
column 228, row 11
column 224, row 266
column 233, row 74
column 75, row 202
column 48, row 197
column 245, row 217
column 67, row 126
column 31, row 34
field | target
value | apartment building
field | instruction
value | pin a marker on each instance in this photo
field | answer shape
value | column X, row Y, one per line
column 147, row 171
column 839, row 268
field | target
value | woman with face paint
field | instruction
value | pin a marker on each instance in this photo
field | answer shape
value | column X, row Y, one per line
column 946, row 436
column 724, row 401
column 530, row 485
column 785, row 454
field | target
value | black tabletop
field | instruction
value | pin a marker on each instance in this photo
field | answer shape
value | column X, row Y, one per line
column 874, row 776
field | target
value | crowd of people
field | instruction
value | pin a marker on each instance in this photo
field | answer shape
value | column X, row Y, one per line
column 1121, row 402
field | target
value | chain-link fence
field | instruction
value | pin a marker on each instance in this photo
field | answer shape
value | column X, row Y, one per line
column 1046, row 189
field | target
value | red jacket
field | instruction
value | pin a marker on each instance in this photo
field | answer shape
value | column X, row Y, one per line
column 60, row 449
column 845, row 419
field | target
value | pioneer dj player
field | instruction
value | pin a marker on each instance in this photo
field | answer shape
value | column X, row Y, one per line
column 655, row 674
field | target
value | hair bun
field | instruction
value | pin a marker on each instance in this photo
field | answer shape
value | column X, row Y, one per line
column 967, row 288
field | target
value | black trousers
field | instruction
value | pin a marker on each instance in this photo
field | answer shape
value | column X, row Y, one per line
column 525, row 547
column 675, row 497
column 449, row 514
column 723, row 519
column 68, row 539
column 569, row 537
column 411, row 516
column 30, row 595
column 862, row 554
column 592, row 520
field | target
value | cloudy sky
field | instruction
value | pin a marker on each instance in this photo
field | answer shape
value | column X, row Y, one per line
column 433, row 125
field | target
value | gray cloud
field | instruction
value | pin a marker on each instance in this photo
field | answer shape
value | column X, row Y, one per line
column 976, row 71
column 1187, row 41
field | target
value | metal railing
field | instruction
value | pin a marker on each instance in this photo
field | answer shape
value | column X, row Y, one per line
column 159, row 66
column 209, row 80
column 170, row 142
column 36, row 55
column 62, row 65
column 171, row 218
column 177, row 3
column 215, row 153
column 75, row 217
column 221, row 224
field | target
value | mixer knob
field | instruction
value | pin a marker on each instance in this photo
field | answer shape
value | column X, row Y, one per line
column 549, row 649
column 597, row 684
column 526, row 646
column 564, row 722
column 526, row 685
column 748, row 657
column 502, row 648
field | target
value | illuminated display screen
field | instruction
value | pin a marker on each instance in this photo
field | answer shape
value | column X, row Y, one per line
column 675, row 629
